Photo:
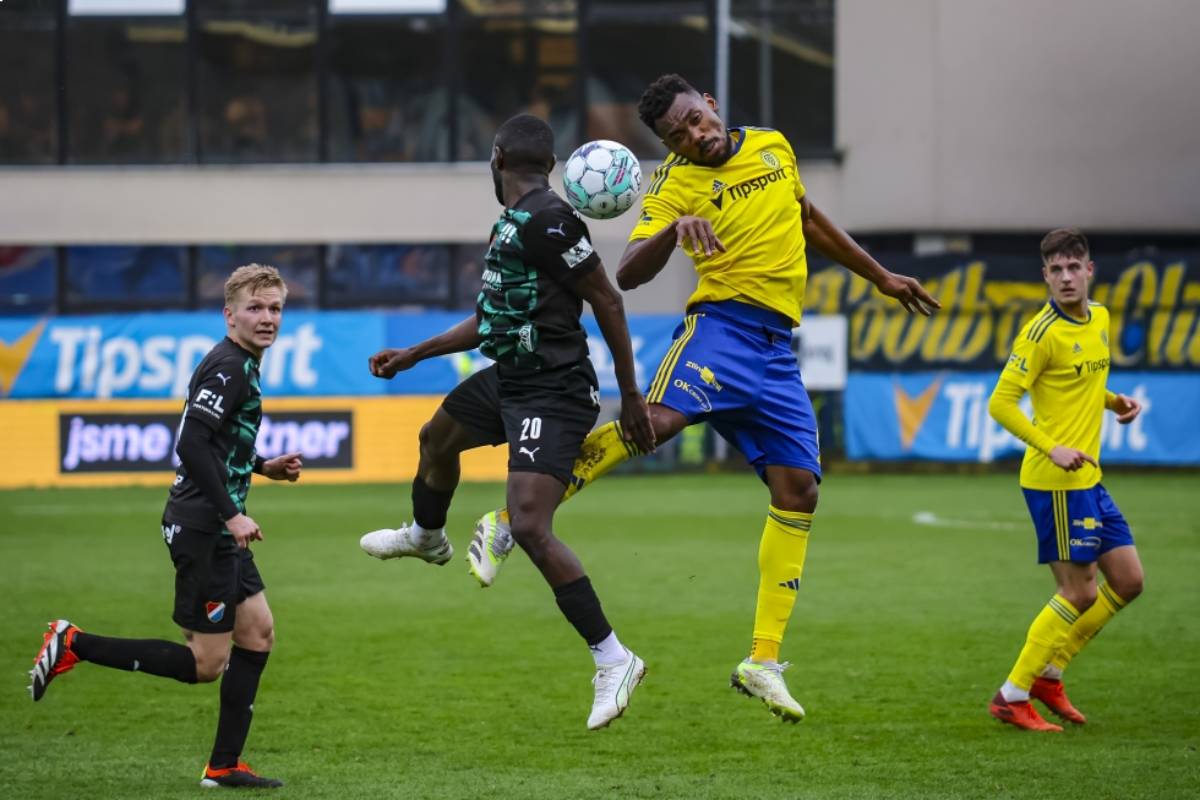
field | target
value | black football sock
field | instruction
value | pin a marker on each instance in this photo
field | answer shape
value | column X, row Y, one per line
column 239, row 685
column 579, row 604
column 430, row 505
column 155, row 656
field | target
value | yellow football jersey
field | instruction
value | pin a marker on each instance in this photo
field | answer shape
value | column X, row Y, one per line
column 1063, row 363
column 752, row 202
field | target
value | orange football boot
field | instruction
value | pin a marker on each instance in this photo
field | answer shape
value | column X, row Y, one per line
column 1021, row 714
column 1051, row 693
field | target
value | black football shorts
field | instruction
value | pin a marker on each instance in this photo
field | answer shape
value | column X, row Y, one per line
column 212, row 576
column 544, row 417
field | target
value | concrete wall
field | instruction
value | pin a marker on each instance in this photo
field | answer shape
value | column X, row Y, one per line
column 1019, row 114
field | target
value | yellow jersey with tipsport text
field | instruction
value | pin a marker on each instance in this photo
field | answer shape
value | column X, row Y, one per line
column 752, row 201
column 1063, row 363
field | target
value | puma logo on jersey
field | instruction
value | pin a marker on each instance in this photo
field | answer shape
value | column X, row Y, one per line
column 529, row 452
column 224, row 378
column 559, row 230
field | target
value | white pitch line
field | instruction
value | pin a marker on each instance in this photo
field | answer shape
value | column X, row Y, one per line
column 932, row 519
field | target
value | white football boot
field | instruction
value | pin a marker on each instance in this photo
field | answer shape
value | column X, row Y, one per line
column 400, row 542
column 614, row 686
column 489, row 547
column 765, row 681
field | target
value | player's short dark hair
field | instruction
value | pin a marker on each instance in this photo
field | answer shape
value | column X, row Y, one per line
column 527, row 142
column 1068, row 242
column 659, row 96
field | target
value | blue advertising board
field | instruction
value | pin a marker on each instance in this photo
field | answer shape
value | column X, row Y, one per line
column 942, row 416
column 318, row 353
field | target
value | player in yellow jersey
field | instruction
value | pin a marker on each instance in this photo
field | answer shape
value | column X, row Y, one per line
column 734, row 200
column 1061, row 359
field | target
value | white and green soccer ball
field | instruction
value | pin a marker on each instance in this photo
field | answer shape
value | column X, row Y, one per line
column 602, row 179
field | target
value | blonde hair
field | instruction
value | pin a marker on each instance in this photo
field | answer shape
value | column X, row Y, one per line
column 253, row 277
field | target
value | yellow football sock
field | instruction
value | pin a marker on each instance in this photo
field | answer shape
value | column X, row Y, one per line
column 1107, row 604
column 603, row 449
column 780, row 564
column 1046, row 636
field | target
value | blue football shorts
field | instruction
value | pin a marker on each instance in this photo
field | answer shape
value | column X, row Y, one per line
column 1076, row 524
column 731, row 364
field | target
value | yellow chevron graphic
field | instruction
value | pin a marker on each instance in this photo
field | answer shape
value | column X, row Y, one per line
column 13, row 357
column 912, row 411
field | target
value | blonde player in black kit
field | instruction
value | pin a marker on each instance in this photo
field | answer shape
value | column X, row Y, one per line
column 219, row 597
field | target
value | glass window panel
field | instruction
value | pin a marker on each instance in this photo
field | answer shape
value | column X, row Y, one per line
column 387, row 98
column 257, row 84
column 388, row 275
column 513, row 66
column 526, row 8
column 781, row 70
column 298, row 264
column 28, row 98
column 124, row 7
column 126, row 276
column 387, row 6
column 28, row 279
column 651, row 38
column 126, row 90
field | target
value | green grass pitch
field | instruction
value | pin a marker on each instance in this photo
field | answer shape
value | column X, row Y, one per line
column 401, row 679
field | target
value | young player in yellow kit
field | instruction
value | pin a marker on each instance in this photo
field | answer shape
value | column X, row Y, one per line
column 733, row 199
column 1061, row 357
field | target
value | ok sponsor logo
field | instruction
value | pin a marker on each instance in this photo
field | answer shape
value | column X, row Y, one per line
column 695, row 392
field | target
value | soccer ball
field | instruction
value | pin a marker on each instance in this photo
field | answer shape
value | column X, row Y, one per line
column 602, row 179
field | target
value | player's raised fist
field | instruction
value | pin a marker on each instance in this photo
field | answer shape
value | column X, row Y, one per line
column 386, row 363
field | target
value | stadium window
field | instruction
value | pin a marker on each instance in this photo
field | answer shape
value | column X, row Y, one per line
column 28, row 279
column 388, row 275
column 28, row 98
column 126, row 84
column 299, row 265
column 781, row 70
column 652, row 38
column 125, row 277
column 387, row 92
column 516, row 57
column 257, row 84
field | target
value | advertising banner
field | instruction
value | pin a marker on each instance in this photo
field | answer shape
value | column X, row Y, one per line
column 132, row 442
column 943, row 416
column 318, row 353
column 1154, row 304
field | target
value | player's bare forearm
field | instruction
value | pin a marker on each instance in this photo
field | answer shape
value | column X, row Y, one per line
column 828, row 239
column 462, row 337
column 833, row 242
column 645, row 258
column 609, row 309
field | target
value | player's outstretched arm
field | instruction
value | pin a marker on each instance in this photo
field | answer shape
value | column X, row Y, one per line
column 827, row 238
column 606, row 303
column 462, row 337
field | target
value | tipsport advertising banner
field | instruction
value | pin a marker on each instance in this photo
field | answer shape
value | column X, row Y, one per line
column 317, row 354
column 942, row 416
column 1153, row 302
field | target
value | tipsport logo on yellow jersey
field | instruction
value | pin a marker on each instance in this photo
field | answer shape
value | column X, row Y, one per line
column 740, row 191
